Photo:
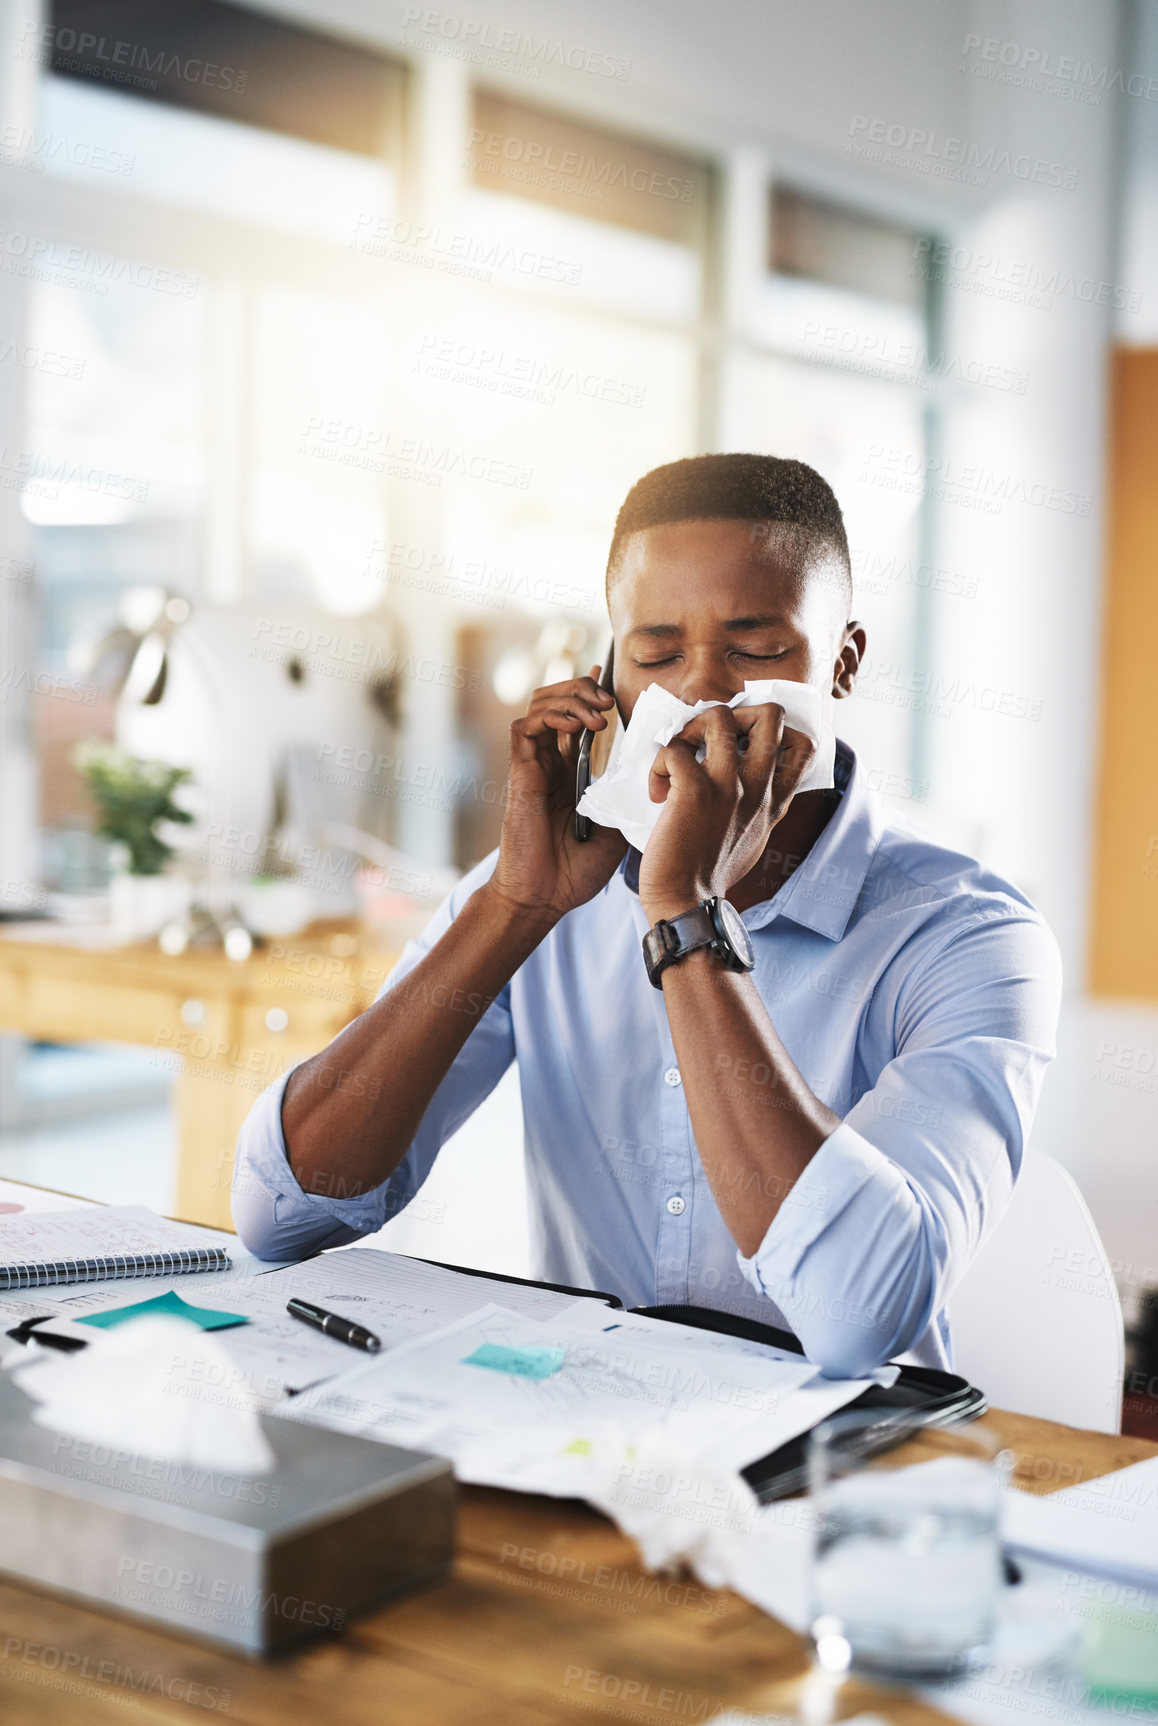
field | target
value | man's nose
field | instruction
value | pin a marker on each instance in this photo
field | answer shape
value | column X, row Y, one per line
column 709, row 682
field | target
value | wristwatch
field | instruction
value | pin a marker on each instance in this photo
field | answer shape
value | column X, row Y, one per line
column 714, row 923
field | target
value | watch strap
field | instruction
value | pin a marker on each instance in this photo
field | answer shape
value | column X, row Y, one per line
column 674, row 938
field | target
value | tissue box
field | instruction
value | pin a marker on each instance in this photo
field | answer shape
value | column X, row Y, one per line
column 255, row 1562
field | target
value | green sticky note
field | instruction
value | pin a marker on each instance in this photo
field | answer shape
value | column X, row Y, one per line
column 1122, row 1658
column 523, row 1362
column 167, row 1303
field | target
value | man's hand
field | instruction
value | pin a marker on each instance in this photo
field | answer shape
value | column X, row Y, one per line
column 719, row 812
column 542, row 868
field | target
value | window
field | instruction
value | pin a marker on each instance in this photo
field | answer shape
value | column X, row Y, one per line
column 842, row 377
column 235, row 64
column 341, row 379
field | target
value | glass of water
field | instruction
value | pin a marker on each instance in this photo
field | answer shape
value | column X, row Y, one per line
column 906, row 1565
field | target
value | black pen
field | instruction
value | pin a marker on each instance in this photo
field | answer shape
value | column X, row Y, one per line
column 341, row 1329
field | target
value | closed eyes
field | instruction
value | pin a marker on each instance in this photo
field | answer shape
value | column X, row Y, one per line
column 763, row 658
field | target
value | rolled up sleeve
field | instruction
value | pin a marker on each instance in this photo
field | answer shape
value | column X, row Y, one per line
column 275, row 1219
column 866, row 1249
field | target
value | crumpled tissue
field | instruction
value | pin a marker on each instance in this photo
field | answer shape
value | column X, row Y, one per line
column 157, row 1387
column 677, row 1505
column 619, row 797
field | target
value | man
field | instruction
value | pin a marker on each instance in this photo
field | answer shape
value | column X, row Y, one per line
column 822, row 1140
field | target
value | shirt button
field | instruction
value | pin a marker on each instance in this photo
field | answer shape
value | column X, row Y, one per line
column 676, row 1205
column 672, row 1076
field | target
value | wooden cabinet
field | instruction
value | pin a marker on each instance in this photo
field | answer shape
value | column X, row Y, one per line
column 225, row 1030
column 1124, row 907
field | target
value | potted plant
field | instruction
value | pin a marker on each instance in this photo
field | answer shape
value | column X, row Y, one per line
column 131, row 797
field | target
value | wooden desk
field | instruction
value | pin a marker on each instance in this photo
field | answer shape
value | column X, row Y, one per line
column 224, row 1029
column 512, row 1639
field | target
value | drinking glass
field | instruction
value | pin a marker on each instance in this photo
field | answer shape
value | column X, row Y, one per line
column 906, row 1566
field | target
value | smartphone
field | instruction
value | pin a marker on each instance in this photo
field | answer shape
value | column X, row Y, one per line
column 586, row 739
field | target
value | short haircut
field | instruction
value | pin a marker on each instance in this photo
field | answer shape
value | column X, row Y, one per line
column 762, row 489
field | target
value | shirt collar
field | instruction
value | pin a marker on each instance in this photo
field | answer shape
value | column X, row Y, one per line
column 823, row 889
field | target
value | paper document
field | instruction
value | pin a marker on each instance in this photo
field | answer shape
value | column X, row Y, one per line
column 534, row 1433
column 397, row 1297
column 665, row 1334
column 1108, row 1526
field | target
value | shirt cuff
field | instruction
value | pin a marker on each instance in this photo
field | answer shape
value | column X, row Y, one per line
column 843, row 1258
column 273, row 1216
column 841, row 1167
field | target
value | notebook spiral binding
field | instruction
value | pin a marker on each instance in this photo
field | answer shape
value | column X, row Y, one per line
column 95, row 1269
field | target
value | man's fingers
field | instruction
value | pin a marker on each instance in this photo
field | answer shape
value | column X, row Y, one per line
column 536, row 738
column 796, row 751
column 674, row 764
column 763, row 729
column 582, row 689
column 714, row 731
column 564, row 715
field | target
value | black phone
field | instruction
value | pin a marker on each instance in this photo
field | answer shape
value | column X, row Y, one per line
column 586, row 738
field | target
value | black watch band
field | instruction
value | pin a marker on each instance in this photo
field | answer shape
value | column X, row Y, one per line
column 713, row 923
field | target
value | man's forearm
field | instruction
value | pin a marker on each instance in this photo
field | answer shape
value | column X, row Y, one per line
column 757, row 1123
column 350, row 1113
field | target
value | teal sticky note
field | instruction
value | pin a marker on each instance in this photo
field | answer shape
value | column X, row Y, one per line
column 1122, row 1659
column 170, row 1303
column 523, row 1362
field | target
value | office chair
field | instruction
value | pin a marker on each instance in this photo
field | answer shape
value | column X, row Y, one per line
column 1036, row 1321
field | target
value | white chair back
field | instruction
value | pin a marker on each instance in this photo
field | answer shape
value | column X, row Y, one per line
column 1036, row 1321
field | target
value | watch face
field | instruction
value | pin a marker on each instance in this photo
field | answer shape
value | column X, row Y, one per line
column 733, row 926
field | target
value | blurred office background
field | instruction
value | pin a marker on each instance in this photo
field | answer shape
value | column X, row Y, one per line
column 332, row 336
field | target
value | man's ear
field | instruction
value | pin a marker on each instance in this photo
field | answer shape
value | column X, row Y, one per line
column 848, row 661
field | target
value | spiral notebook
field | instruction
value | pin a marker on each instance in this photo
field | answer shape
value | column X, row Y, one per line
column 97, row 1242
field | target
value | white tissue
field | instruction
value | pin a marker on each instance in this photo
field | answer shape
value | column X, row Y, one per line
column 619, row 797
column 153, row 1386
column 679, row 1506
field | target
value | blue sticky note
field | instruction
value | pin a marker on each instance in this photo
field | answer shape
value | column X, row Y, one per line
column 170, row 1304
column 523, row 1362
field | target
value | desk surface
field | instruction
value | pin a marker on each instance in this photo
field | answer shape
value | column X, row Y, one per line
column 505, row 1642
column 342, row 961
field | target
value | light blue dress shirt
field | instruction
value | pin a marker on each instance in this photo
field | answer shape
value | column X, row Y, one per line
column 916, row 991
